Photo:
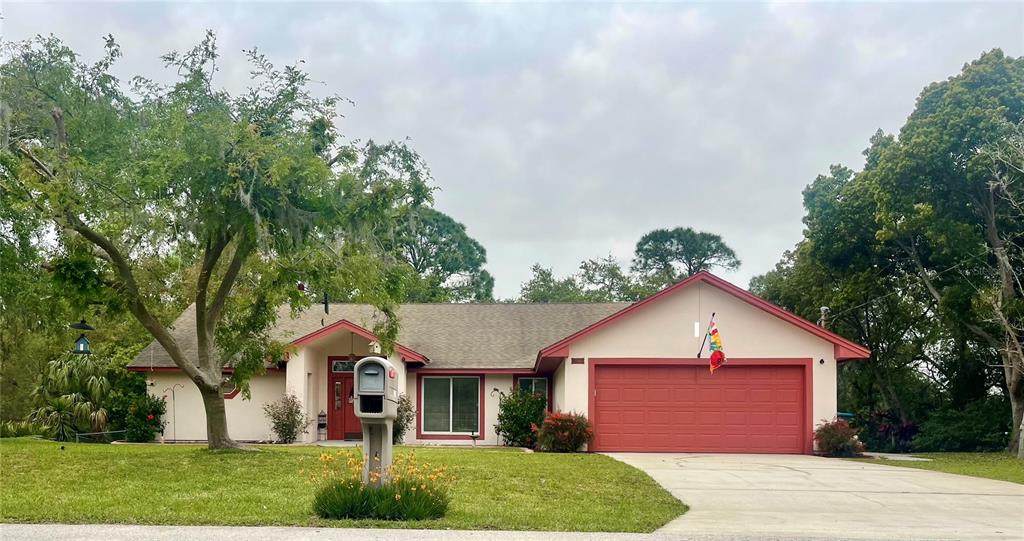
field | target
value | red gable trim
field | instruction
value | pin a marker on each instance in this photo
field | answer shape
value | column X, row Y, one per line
column 406, row 353
column 473, row 371
column 225, row 370
column 844, row 349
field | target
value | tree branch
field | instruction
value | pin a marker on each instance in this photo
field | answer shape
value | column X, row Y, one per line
column 211, row 255
column 216, row 308
column 40, row 167
column 61, row 139
column 130, row 288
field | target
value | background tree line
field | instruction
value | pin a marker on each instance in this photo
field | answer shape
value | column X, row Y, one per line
column 920, row 257
column 661, row 258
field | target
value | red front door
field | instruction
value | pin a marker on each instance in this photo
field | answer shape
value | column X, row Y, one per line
column 342, row 423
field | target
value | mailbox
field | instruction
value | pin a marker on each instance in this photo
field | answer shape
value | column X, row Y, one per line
column 376, row 399
column 376, row 389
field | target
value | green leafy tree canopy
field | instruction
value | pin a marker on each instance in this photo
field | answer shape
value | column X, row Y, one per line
column 242, row 195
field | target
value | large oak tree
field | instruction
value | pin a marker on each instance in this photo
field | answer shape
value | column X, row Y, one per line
column 238, row 196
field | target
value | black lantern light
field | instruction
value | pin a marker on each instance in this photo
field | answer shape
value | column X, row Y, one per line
column 82, row 343
column 82, row 326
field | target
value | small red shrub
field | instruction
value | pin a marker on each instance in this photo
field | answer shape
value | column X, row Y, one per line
column 563, row 432
column 838, row 438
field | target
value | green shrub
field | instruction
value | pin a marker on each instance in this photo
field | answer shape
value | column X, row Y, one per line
column 983, row 425
column 126, row 388
column 58, row 416
column 404, row 421
column 837, row 438
column 144, row 418
column 518, row 414
column 392, row 501
column 410, row 491
column 18, row 429
column 563, row 432
column 884, row 431
column 287, row 418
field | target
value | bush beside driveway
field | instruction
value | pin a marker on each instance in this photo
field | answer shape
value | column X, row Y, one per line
column 502, row 489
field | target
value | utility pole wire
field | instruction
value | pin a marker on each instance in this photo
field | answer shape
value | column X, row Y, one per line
column 891, row 293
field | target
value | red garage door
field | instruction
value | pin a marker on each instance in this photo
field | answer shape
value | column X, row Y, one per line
column 684, row 408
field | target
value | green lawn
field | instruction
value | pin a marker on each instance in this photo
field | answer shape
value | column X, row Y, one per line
column 999, row 466
column 154, row 484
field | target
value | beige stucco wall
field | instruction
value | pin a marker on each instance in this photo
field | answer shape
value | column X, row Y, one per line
column 186, row 418
column 665, row 328
column 558, row 387
column 307, row 370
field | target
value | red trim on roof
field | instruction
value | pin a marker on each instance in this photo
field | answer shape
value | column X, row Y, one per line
column 407, row 354
column 844, row 349
column 227, row 370
column 472, row 371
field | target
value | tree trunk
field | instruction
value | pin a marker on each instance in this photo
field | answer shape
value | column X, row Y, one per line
column 216, row 420
column 1016, row 445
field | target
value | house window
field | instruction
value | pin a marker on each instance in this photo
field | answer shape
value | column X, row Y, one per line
column 339, row 367
column 451, row 405
column 534, row 385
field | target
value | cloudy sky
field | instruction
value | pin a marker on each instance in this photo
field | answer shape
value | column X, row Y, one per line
column 563, row 132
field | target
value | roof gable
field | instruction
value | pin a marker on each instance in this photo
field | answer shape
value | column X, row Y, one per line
column 344, row 324
column 450, row 336
column 844, row 349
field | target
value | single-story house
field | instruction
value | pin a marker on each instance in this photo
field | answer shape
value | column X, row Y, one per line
column 632, row 369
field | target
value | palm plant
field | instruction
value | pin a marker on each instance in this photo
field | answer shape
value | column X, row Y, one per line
column 58, row 415
column 70, row 393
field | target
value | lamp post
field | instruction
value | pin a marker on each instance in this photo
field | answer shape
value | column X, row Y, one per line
column 174, row 415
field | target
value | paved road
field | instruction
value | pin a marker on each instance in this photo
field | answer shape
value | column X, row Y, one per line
column 105, row 532
column 793, row 496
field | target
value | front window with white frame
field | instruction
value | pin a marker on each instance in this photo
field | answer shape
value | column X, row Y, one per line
column 451, row 404
column 534, row 386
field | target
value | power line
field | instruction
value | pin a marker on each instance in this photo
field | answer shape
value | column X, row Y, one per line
column 891, row 293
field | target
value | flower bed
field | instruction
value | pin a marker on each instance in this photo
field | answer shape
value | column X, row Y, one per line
column 410, row 490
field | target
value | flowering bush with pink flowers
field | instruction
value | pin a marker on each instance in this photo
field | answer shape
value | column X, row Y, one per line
column 410, row 490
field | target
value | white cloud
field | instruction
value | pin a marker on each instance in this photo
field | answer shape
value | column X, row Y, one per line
column 560, row 132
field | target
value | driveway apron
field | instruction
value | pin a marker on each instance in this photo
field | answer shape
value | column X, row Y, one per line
column 794, row 496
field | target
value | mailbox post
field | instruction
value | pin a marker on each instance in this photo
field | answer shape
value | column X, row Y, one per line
column 376, row 398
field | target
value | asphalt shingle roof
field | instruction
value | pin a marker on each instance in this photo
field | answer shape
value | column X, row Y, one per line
column 450, row 335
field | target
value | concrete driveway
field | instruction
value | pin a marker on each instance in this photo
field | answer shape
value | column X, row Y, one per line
column 793, row 496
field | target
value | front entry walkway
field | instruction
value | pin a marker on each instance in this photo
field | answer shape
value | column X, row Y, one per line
column 339, row 443
column 798, row 496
